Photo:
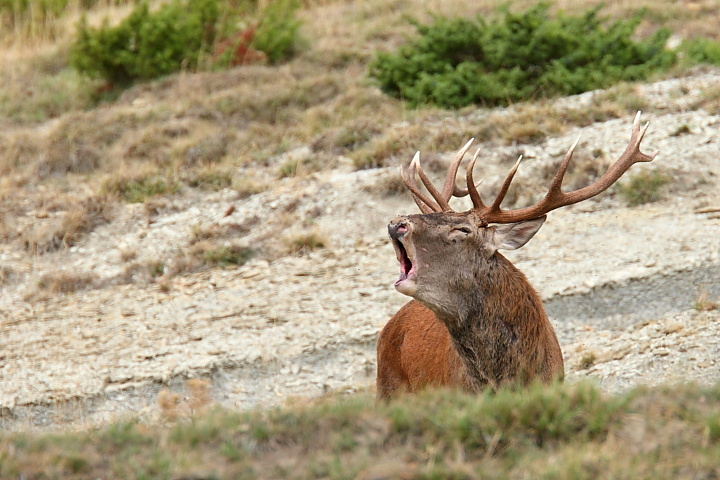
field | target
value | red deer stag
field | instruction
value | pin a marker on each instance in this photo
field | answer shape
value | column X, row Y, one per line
column 474, row 321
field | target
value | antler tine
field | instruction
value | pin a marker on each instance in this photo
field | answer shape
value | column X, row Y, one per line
column 556, row 185
column 450, row 188
column 474, row 194
column 425, row 204
column 495, row 207
column 638, row 135
column 556, row 198
column 442, row 201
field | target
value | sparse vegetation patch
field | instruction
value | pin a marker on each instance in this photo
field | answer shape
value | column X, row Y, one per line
column 226, row 255
column 704, row 303
column 66, row 282
column 136, row 187
column 305, row 242
column 644, row 187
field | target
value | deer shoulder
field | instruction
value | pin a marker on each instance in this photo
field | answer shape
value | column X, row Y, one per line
column 475, row 321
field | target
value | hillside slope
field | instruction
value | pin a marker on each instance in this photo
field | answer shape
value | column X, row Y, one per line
column 620, row 284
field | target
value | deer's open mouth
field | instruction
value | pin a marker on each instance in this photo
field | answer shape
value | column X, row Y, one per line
column 405, row 254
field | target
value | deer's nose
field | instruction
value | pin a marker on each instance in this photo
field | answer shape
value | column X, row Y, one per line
column 397, row 228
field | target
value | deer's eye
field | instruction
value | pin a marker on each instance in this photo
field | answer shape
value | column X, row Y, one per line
column 464, row 230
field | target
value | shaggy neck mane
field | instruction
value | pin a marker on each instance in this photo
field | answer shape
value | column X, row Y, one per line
column 485, row 327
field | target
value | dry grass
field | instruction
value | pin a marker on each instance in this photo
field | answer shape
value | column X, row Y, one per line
column 246, row 186
column 389, row 185
column 17, row 152
column 174, row 406
column 704, row 303
column 305, row 242
column 62, row 223
column 204, row 254
column 587, row 360
column 65, row 282
column 42, row 88
column 645, row 186
column 139, row 184
column 6, row 274
column 142, row 272
column 559, row 431
column 709, row 100
column 212, row 177
column 218, row 232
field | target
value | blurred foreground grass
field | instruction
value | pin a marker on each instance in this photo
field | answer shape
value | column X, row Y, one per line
column 560, row 431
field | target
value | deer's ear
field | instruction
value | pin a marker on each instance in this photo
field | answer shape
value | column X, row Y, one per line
column 512, row 236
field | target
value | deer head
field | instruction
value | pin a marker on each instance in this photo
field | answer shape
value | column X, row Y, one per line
column 443, row 253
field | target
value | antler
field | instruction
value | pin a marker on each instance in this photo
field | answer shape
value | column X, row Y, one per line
column 555, row 197
column 449, row 190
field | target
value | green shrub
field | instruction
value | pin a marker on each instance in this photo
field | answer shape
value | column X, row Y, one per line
column 277, row 31
column 137, row 188
column 226, row 255
column 701, row 50
column 457, row 61
column 147, row 44
column 644, row 187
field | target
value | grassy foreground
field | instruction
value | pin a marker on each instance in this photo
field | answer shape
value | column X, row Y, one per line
column 561, row 431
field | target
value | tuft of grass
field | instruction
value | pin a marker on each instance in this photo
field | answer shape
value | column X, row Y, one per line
column 138, row 186
column 623, row 98
column 66, row 229
column 207, row 151
column 66, row 282
column 390, row 185
column 305, row 242
column 644, row 187
column 247, row 187
column 400, row 142
column 289, row 168
column 210, row 177
column 683, row 129
column 587, row 360
column 6, row 274
column 226, row 255
column 143, row 272
column 703, row 303
column 174, row 406
column 298, row 166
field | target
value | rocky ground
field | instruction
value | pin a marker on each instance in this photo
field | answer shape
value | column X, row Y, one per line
column 629, row 289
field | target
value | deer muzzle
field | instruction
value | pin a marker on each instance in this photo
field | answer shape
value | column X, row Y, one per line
column 400, row 231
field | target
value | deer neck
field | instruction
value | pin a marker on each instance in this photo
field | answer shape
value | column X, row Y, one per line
column 491, row 320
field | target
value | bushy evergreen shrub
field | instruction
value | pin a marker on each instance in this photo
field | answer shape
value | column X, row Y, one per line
column 277, row 31
column 147, row 44
column 701, row 50
column 272, row 35
column 456, row 61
